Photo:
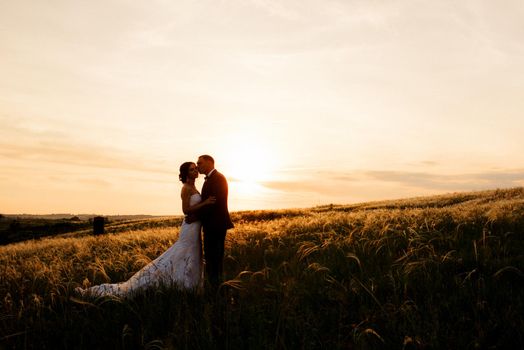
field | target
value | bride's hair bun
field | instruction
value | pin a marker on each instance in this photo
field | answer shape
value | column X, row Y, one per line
column 184, row 171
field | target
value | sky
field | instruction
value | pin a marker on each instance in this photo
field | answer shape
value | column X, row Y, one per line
column 301, row 103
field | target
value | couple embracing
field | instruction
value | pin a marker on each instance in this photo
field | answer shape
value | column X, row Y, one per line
column 208, row 209
column 182, row 263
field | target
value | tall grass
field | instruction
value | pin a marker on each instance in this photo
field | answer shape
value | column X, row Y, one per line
column 435, row 272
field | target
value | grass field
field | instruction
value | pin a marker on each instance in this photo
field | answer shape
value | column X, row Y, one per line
column 425, row 273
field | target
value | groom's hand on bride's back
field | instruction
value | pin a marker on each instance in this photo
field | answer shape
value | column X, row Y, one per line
column 210, row 200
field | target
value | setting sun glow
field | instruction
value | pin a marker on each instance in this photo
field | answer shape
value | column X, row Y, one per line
column 249, row 161
column 299, row 103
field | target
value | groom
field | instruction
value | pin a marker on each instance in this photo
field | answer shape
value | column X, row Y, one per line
column 215, row 218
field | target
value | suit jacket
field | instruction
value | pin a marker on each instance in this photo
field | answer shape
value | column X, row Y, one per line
column 215, row 216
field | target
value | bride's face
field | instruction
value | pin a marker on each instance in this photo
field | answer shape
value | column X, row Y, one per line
column 192, row 172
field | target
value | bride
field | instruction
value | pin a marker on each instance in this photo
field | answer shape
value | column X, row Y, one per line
column 181, row 264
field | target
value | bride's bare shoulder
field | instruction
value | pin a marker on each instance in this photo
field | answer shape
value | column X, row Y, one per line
column 185, row 191
column 188, row 190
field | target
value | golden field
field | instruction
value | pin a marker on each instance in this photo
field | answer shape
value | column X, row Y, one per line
column 422, row 273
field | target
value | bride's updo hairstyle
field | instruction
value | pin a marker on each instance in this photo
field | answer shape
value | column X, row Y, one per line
column 184, row 171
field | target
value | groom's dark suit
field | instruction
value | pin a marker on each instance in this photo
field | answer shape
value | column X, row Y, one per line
column 215, row 222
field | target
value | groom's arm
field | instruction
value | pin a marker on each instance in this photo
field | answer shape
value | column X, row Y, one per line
column 196, row 213
column 190, row 218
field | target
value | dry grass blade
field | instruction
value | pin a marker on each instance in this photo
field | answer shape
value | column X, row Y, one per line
column 245, row 273
column 370, row 331
column 13, row 335
column 155, row 345
column 316, row 267
column 306, row 249
column 508, row 269
column 234, row 284
column 370, row 293
column 353, row 256
column 82, row 302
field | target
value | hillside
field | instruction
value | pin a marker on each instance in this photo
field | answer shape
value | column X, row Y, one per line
column 422, row 273
column 22, row 227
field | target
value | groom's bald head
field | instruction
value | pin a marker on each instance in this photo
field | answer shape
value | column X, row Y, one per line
column 207, row 158
column 205, row 164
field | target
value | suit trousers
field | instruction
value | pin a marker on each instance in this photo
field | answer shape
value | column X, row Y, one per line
column 214, row 240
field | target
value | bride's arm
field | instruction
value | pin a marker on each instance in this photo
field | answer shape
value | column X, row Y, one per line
column 186, row 208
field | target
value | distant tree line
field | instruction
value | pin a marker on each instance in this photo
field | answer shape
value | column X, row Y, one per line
column 17, row 229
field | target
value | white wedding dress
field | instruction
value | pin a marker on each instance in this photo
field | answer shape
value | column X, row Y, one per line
column 180, row 265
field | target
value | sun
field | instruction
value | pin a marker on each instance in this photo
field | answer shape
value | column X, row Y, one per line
column 249, row 152
column 247, row 161
column 250, row 161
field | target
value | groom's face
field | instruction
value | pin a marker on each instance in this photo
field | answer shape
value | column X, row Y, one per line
column 203, row 166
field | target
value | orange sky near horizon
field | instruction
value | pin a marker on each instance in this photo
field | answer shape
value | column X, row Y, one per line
column 300, row 103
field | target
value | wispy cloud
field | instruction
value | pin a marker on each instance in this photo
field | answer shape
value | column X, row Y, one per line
column 95, row 182
column 507, row 178
column 300, row 186
column 38, row 143
column 278, row 9
column 81, row 155
column 336, row 182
